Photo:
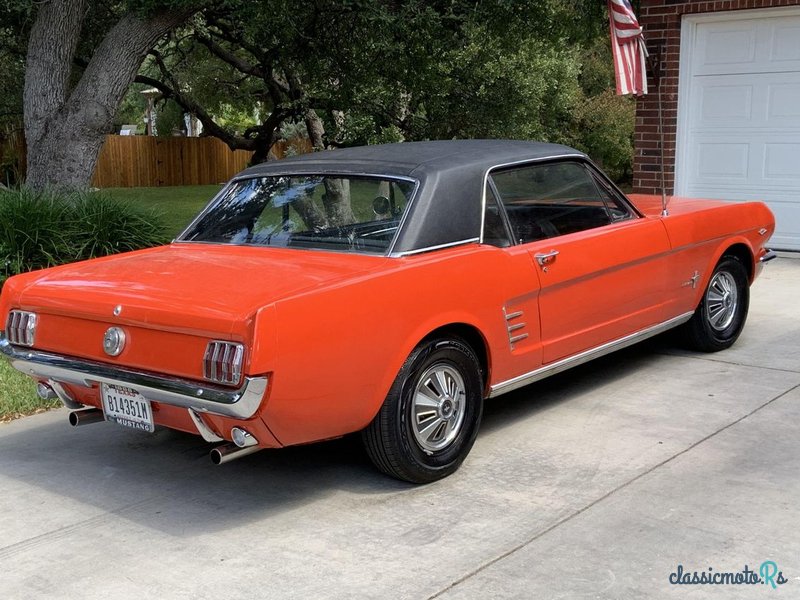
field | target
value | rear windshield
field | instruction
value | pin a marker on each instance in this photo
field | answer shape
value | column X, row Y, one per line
column 323, row 212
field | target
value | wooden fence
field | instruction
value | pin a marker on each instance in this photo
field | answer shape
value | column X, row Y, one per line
column 143, row 161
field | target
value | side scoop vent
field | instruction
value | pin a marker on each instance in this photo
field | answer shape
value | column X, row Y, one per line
column 516, row 327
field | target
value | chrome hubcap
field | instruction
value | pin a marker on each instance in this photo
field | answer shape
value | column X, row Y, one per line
column 438, row 407
column 722, row 298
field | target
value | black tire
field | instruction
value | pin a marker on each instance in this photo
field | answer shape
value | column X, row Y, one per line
column 397, row 437
column 720, row 317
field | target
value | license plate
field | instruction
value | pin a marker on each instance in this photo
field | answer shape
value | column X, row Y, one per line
column 127, row 407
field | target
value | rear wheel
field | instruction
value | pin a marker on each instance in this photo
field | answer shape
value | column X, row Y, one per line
column 720, row 317
column 430, row 418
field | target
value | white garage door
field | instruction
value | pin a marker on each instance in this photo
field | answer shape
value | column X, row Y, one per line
column 739, row 113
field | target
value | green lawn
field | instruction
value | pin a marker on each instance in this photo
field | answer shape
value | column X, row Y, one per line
column 18, row 394
column 178, row 204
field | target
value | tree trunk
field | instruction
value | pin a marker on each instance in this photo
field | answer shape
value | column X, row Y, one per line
column 65, row 132
column 337, row 191
column 337, row 202
column 261, row 150
column 312, row 216
column 316, row 130
column 48, row 64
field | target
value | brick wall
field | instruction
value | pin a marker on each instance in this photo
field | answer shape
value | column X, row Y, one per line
column 661, row 20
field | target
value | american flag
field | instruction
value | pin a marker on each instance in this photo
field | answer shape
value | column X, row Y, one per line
column 627, row 45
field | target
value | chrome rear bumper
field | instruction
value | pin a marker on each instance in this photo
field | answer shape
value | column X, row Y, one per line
column 240, row 403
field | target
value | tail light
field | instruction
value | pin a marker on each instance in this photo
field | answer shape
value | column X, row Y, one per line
column 21, row 327
column 222, row 362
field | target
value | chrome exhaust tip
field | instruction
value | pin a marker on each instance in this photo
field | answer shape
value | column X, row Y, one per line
column 45, row 392
column 228, row 452
column 86, row 417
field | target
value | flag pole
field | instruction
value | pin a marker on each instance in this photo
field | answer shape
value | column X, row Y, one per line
column 630, row 69
column 655, row 67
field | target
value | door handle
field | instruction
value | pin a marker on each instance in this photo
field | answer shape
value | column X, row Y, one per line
column 546, row 258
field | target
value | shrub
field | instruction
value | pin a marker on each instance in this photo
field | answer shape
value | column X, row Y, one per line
column 606, row 124
column 41, row 229
column 603, row 121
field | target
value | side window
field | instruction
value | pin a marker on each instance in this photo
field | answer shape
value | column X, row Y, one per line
column 495, row 232
column 551, row 199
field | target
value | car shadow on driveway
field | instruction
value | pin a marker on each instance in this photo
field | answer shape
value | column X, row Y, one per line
column 166, row 481
column 532, row 399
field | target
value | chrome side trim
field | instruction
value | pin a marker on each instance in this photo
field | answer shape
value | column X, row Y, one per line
column 768, row 256
column 430, row 248
column 586, row 356
column 240, row 403
column 203, row 429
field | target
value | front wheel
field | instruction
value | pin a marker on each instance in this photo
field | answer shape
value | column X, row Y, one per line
column 720, row 317
column 430, row 418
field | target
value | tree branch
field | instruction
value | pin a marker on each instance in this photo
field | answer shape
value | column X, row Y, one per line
column 225, row 31
column 162, row 66
column 210, row 126
column 115, row 62
column 229, row 57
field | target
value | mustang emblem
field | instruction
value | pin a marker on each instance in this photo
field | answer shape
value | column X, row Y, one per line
column 692, row 281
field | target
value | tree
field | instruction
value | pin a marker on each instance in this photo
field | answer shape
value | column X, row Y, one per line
column 13, row 33
column 366, row 71
column 67, row 112
column 350, row 71
column 13, row 28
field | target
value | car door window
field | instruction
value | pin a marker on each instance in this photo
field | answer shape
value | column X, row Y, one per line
column 552, row 199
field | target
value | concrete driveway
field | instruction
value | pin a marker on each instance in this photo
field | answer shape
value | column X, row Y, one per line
column 597, row 483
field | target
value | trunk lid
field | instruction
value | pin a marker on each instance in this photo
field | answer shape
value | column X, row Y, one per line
column 186, row 287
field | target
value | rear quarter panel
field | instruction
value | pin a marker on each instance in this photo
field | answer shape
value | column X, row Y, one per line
column 339, row 349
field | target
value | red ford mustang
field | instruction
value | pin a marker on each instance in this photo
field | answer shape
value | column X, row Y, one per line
column 385, row 289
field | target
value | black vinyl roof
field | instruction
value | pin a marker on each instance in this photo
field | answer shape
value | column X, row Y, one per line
column 448, row 205
column 413, row 158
